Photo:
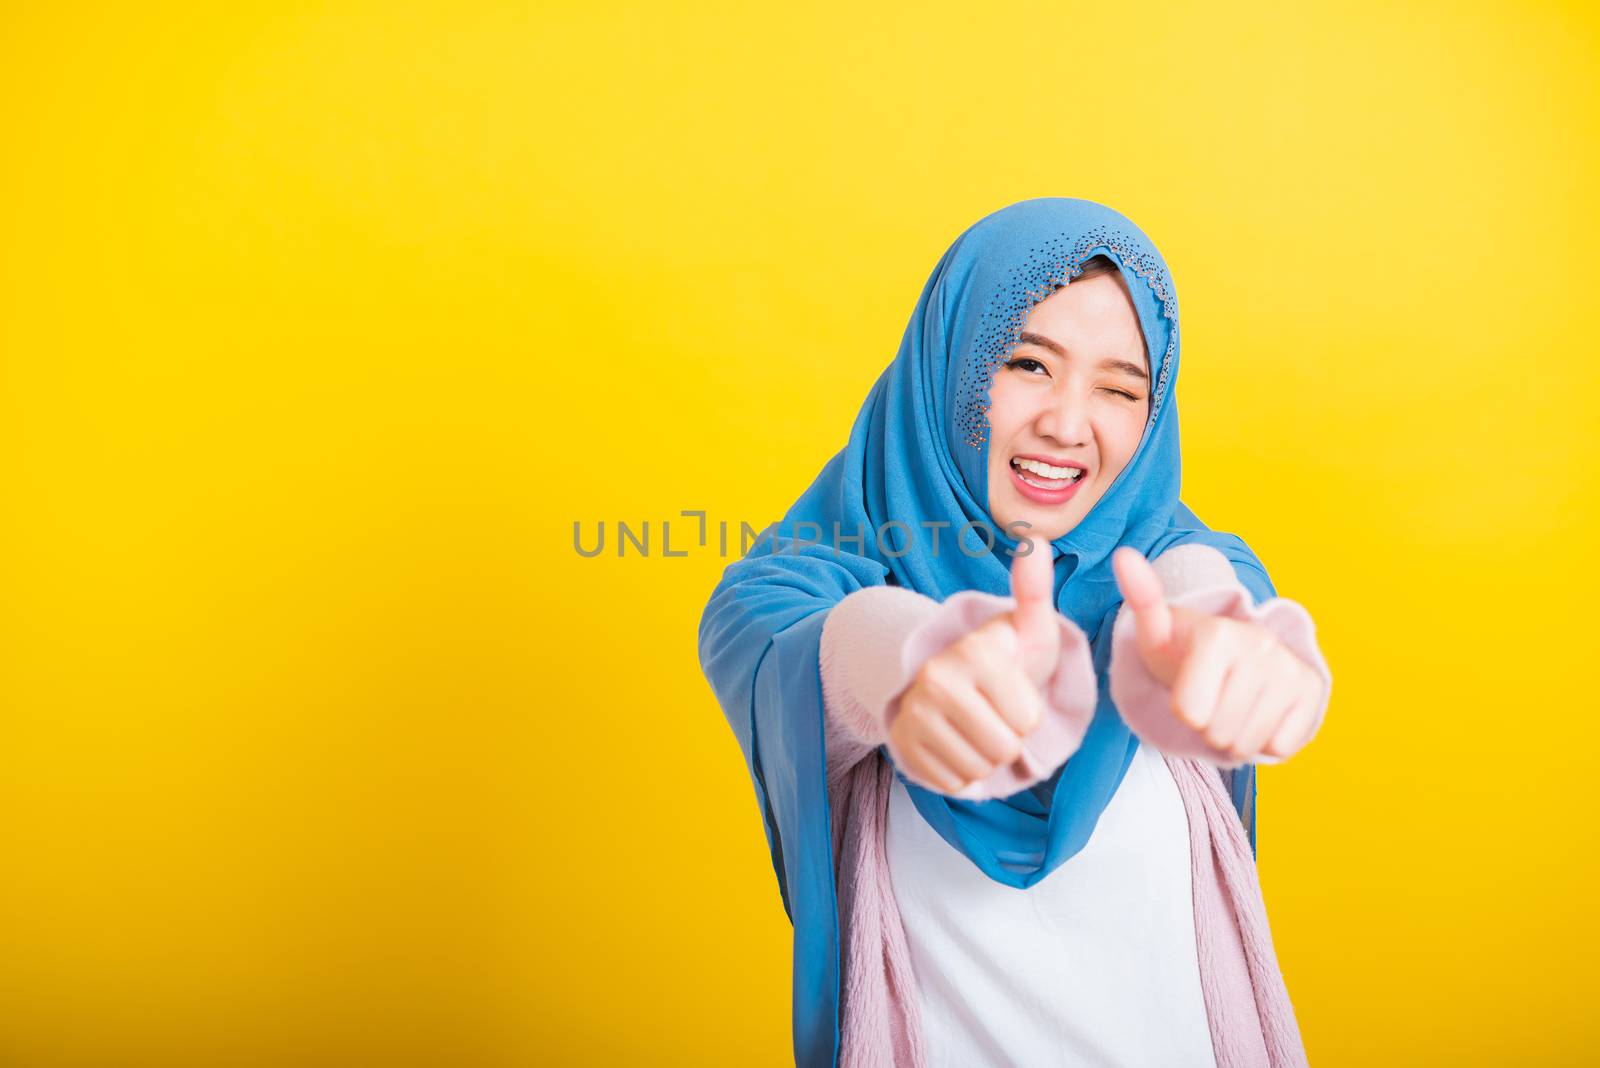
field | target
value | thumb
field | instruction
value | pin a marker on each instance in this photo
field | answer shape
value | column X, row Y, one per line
column 1033, row 575
column 1152, row 616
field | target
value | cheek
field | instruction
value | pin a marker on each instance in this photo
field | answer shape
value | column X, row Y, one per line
column 1007, row 409
column 1004, row 403
column 1121, row 436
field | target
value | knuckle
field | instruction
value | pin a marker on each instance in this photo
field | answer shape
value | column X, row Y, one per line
column 1027, row 718
column 1032, row 711
column 960, row 774
column 939, row 676
column 911, row 705
column 1229, row 631
column 902, row 730
column 1210, row 641
column 971, row 660
column 1263, row 642
column 996, row 753
column 914, row 720
column 981, row 647
column 980, row 638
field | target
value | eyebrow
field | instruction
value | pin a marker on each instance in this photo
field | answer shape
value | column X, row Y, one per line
column 1043, row 342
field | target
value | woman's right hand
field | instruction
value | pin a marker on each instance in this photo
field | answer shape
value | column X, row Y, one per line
column 969, row 707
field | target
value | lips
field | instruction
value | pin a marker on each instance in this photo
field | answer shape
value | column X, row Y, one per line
column 1041, row 488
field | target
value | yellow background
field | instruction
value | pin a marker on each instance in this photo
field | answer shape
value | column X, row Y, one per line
column 322, row 324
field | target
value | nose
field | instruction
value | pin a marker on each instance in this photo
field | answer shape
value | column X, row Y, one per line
column 1064, row 419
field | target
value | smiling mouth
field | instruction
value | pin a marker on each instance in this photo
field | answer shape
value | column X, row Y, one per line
column 1041, row 475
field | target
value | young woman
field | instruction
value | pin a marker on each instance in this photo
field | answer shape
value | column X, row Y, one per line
column 1019, row 829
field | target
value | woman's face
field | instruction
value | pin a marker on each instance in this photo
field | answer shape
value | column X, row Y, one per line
column 1075, row 395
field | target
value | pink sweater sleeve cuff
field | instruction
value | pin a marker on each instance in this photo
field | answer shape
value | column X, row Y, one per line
column 1200, row 577
column 877, row 639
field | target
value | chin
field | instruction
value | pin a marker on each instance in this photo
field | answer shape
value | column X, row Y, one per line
column 1052, row 524
column 1046, row 526
column 1053, row 529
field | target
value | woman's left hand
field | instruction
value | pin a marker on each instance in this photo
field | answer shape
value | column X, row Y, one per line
column 1233, row 681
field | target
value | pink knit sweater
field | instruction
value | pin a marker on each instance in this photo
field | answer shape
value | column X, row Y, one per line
column 873, row 644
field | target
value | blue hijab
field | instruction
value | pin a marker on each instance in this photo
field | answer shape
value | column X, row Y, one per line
column 918, row 455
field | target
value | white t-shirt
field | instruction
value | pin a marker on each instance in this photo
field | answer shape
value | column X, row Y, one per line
column 1093, row 965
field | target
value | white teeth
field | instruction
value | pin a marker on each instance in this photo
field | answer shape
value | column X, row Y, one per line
column 1040, row 468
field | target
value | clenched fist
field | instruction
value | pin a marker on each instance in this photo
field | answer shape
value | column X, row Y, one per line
column 1232, row 681
column 969, row 707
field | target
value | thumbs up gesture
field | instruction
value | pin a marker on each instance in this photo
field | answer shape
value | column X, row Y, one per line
column 1231, row 680
column 969, row 707
column 1034, row 620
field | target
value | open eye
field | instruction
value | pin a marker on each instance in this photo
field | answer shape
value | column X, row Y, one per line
column 1027, row 364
